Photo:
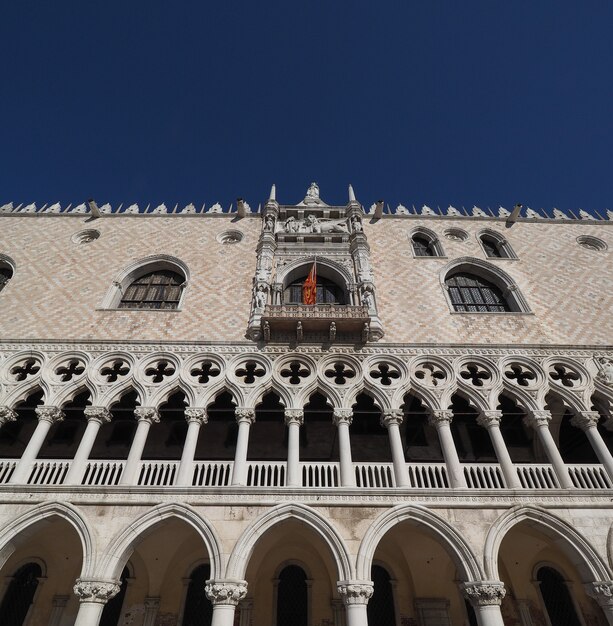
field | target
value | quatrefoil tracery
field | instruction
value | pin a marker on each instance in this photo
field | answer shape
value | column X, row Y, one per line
column 384, row 374
column 520, row 375
column 250, row 371
column 114, row 371
column 208, row 369
column 29, row 367
column 430, row 374
column 295, row 372
column 340, row 373
column 160, row 371
column 475, row 374
column 71, row 370
column 564, row 375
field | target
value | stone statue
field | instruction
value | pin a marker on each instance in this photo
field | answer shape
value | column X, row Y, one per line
column 368, row 300
column 299, row 332
column 313, row 224
column 260, row 297
column 313, row 191
column 605, row 370
column 332, row 331
column 291, row 226
column 266, row 330
column 269, row 224
column 356, row 223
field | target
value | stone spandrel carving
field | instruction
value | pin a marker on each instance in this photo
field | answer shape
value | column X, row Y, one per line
column 356, row 592
column 226, row 592
column 100, row 591
column 605, row 370
column 484, row 593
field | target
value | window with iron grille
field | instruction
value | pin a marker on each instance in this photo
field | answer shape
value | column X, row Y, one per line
column 292, row 597
column 470, row 293
column 328, row 292
column 156, row 290
column 557, row 599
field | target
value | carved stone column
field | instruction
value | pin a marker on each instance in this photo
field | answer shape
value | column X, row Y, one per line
column 225, row 596
column 539, row 420
column 355, row 595
column 145, row 416
column 96, row 417
column 602, row 592
column 245, row 417
column 485, row 597
column 152, row 606
column 195, row 419
column 391, row 419
column 93, row 595
column 47, row 416
column 587, row 421
column 490, row 420
column 59, row 604
column 342, row 420
column 294, row 419
column 441, row 420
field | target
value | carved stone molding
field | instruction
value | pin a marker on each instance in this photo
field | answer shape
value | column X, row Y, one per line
column 97, row 414
column 536, row 419
column 244, row 414
column 147, row 414
column 438, row 417
column 601, row 591
column 586, row 420
column 226, row 591
column 342, row 416
column 100, row 591
column 7, row 415
column 489, row 418
column 294, row 416
column 198, row 416
column 49, row 414
column 484, row 592
column 392, row 416
column 355, row 592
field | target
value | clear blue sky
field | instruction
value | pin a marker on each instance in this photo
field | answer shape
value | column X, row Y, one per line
column 477, row 102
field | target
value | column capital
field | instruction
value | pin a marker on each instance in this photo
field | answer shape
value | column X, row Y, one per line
column 484, row 592
column 489, row 418
column 152, row 602
column 49, row 414
column 391, row 416
column 199, row 416
column 355, row 591
column 342, row 416
column 601, row 591
column 294, row 416
column 229, row 592
column 7, row 415
column 536, row 419
column 97, row 414
column 147, row 414
column 440, row 416
column 100, row 591
column 585, row 420
column 244, row 414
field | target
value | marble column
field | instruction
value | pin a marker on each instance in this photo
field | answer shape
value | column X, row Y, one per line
column 490, row 420
column 195, row 419
column 152, row 606
column 294, row 419
column 539, row 420
column 93, row 595
column 391, row 419
column 245, row 417
column 441, row 420
column 225, row 596
column 342, row 420
column 96, row 417
column 587, row 421
column 355, row 595
column 145, row 416
column 47, row 416
column 485, row 597
column 602, row 592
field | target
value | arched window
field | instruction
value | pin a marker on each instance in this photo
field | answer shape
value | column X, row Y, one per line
column 380, row 607
column 471, row 293
column 496, row 246
column 328, row 292
column 19, row 595
column 556, row 598
column 426, row 243
column 112, row 609
column 292, row 597
column 198, row 609
column 6, row 273
column 155, row 290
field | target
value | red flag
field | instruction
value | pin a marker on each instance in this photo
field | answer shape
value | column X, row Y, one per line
column 309, row 287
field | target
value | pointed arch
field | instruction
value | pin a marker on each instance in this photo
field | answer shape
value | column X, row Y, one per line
column 239, row 559
column 332, row 397
column 589, row 564
column 452, row 540
column 10, row 533
column 325, row 267
column 163, row 394
column 120, row 548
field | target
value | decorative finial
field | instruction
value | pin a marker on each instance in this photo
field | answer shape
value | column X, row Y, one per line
column 273, row 192
column 351, row 194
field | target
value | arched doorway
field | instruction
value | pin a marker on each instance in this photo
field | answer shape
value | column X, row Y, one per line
column 198, row 610
column 556, row 598
column 380, row 608
column 292, row 597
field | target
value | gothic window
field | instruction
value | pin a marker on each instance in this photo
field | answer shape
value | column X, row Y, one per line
column 155, row 290
column 421, row 246
column 292, row 597
column 328, row 292
column 425, row 243
column 198, row 608
column 380, row 607
column 495, row 246
column 19, row 595
column 6, row 273
column 112, row 609
column 556, row 597
column 471, row 293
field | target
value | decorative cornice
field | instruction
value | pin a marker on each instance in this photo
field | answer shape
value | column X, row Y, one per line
column 229, row 592
column 49, row 414
column 198, row 416
column 586, row 420
column 484, row 592
column 489, row 418
column 99, row 591
column 392, row 416
column 342, row 416
column 294, row 416
column 147, row 414
column 438, row 417
column 244, row 414
column 538, row 419
column 355, row 591
column 97, row 414
column 7, row 415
